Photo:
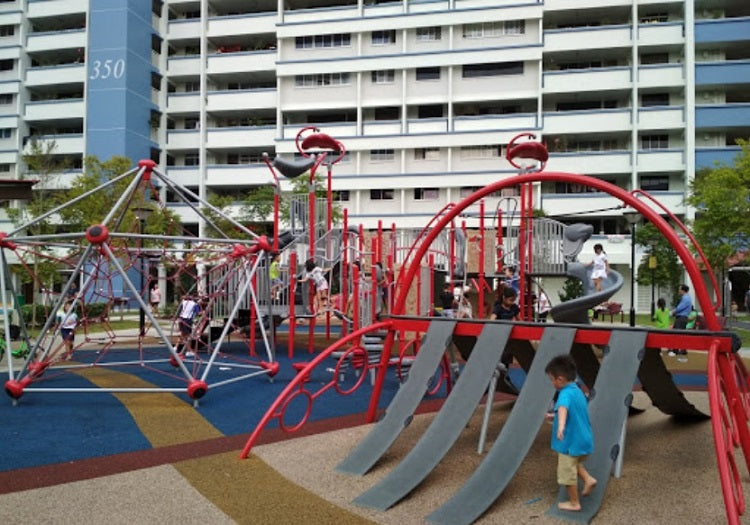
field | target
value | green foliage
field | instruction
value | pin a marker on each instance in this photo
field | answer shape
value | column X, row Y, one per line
column 34, row 315
column 300, row 186
column 255, row 212
column 572, row 288
column 668, row 271
column 722, row 198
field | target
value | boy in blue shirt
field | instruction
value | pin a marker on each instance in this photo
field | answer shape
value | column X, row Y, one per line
column 572, row 437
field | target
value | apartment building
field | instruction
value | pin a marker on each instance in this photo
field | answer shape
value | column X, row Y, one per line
column 425, row 94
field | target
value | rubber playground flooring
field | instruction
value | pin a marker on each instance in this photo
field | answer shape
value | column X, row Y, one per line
column 153, row 458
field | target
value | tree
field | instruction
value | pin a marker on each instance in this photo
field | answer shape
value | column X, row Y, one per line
column 721, row 196
column 668, row 271
column 44, row 165
column 253, row 209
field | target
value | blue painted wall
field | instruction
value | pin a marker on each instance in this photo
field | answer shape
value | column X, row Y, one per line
column 118, row 93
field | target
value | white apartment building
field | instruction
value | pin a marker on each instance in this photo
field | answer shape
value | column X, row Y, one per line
column 425, row 94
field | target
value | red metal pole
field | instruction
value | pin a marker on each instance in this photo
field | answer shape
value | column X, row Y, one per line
column 480, row 305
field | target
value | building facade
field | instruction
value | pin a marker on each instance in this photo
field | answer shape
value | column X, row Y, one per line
column 425, row 94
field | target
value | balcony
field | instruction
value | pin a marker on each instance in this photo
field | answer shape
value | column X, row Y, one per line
column 661, row 160
column 55, row 109
column 724, row 30
column 722, row 116
column 66, row 144
column 595, row 121
column 184, row 29
column 51, row 8
column 241, row 100
column 183, row 102
column 591, row 162
column 661, row 118
column 563, row 203
column 186, row 66
column 564, row 5
column 659, row 75
column 710, row 157
column 660, row 34
column 515, row 121
column 238, row 175
column 242, row 24
column 184, row 175
column 722, row 73
column 605, row 37
column 183, row 139
column 242, row 62
column 576, row 80
column 241, row 137
column 50, row 41
column 60, row 75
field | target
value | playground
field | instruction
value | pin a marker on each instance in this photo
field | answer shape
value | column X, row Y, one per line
column 271, row 350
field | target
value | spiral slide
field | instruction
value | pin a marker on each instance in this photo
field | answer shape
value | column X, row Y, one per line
column 576, row 310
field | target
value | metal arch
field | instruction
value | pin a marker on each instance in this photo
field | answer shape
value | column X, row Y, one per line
column 688, row 261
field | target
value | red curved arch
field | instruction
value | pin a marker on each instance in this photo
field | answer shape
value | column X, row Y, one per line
column 701, row 294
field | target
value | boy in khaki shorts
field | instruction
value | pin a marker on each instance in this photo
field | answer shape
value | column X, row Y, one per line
column 572, row 437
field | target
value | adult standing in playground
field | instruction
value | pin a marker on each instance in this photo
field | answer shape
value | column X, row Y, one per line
column 681, row 313
column 747, row 300
column 601, row 266
column 154, row 298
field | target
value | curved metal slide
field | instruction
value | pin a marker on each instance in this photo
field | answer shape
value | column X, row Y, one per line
column 405, row 402
column 576, row 310
column 448, row 424
column 608, row 409
column 507, row 453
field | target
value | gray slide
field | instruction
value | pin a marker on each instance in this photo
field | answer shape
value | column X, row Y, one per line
column 516, row 437
column 658, row 383
column 608, row 410
column 576, row 310
column 405, row 402
column 447, row 425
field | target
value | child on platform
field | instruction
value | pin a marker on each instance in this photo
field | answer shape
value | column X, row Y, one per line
column 572, row 437
column 601, row 266
column 316, row 274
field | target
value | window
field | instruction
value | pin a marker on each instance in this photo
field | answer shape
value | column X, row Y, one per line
column 428, row 73
column 323, row 79
column 654, row 141
column 427, row 154
column 428, row 34
column 381, row 195
column 569, row 187
column 480, row 152
column 426, row 194
column 192, row 123
column 655, row 18
column 192, row 159
column 5, row 133
column 655, row 182
column 654, row 58
column 494, row 29
column 382, row 38
column 382, row 154
column 243, row 158
column 323, row 41
column 192, row 87
column 7, row 30
column 4, row 168
column 342, row 195
column 385, row 76
column 6, row 65
column 583, row 105
column 654, row 99
column 492, row 69
column 387, row 113
column 6, row 98
column 431, row 111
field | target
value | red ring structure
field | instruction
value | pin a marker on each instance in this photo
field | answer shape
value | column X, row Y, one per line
column 526, row 150
column 727, row 378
